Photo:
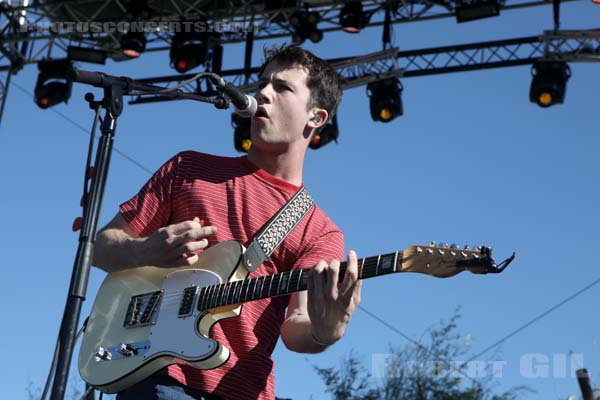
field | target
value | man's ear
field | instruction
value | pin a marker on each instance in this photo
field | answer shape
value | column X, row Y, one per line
column 318, row 119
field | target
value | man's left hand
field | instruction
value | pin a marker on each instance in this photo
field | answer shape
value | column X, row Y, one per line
column 331, row 303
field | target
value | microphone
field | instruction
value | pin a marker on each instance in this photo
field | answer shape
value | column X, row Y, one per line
column 245, row 106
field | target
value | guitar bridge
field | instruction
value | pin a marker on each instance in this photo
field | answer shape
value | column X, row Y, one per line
column 142, row 310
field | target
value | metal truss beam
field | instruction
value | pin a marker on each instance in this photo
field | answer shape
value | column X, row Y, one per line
column 572, row 46
column 4, row 85
column 232, row 20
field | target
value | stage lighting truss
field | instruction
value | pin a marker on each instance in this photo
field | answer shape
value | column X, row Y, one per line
column 38, row 23
column 52, row 86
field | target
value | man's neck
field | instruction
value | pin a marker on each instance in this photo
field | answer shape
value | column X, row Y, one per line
column 286, row 165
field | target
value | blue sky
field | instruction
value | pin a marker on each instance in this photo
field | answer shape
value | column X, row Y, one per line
column 471, row 161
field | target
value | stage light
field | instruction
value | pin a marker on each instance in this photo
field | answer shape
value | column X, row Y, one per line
column 305, row 27
column 476, row 9
column 549, row 82
column 385, row 99
column 241, row 133
column 352, row 17
column 133, row 44
column 86, row 54
column 52, row 86
column 188, row 50
column 327, row 133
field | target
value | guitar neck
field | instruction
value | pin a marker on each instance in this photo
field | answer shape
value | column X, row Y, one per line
column 288, row 282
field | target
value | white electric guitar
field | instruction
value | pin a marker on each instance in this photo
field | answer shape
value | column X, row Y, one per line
column 144, row 318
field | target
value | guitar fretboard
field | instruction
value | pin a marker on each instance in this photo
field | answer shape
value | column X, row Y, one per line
column 281, row 284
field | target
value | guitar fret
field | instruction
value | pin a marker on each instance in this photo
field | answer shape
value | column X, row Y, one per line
column 283, row 283
column 225, row 292
column 245, row 285
column 251, row 284
column 361, row 269
column 200, row 298
column 236, row 291
column 209, row 291
column 274, row 286
column 267, row 290
column 223, row 297
column 220, row 292
column 215, row 295
column 299, row 278
column 260, row 285
column 230, row 291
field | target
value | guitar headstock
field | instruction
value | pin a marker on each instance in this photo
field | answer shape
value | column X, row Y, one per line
column 443, row 260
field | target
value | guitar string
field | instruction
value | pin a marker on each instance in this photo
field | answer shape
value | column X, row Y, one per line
column 366, row 264
column 171, row 300
column 177, row 294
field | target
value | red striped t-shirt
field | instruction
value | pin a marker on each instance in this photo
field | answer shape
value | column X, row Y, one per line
column 238, row 198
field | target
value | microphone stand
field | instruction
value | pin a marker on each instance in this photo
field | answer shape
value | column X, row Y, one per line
column 112, row 103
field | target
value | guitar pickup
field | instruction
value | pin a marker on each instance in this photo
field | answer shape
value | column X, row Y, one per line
column 187, row 301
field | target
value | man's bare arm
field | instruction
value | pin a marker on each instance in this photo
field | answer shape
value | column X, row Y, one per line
column 118, row 247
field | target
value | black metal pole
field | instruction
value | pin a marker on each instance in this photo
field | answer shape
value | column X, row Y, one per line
column 113, row 104
column 585, row 384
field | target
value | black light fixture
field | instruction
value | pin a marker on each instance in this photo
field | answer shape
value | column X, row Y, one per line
column 305, row 27
column 385, row 99
column 352, row 17
column 86, row 54
column 52, row 86
column 133, row 44
column 241, row 133
column 549, row 82
column 470, row 10
column 327, row 133
column 188, row 50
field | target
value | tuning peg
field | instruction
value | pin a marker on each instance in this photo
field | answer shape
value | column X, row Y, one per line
column 454, row 246
column 466, row 247
column 432, row 244
column 443, row 245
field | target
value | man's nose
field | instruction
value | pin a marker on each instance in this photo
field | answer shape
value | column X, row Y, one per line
column 264, row 94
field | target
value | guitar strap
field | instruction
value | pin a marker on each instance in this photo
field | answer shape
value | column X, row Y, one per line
column 277, row 228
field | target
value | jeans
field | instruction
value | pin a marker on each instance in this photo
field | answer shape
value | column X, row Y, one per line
column 163, row 388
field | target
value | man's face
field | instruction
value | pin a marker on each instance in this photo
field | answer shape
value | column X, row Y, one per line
column 282, row 113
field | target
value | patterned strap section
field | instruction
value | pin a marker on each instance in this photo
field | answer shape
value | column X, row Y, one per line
column 277, row 228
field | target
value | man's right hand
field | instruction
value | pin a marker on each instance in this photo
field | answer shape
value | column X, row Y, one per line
column 176, row 245
column 118, row 247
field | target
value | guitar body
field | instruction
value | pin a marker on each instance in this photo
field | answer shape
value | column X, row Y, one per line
column 138, row 323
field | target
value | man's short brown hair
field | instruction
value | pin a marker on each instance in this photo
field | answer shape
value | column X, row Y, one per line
column 323, row 81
